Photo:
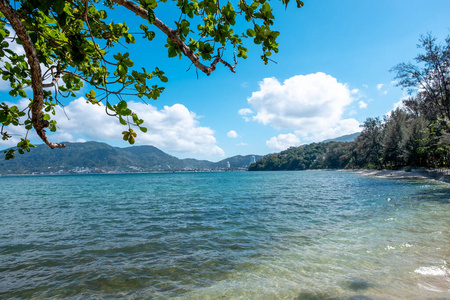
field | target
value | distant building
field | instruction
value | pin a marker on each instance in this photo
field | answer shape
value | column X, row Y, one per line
column 228, row 165
column 252, row 159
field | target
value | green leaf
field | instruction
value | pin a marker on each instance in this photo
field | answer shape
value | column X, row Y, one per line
column 299, row 3
column 121, row 106
column 122, row 121
column 151, row 16
column 108, row 105
column 58, row 6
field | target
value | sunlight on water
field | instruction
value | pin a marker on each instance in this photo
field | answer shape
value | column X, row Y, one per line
column 292, row 235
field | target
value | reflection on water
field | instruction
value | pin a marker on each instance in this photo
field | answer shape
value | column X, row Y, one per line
column 294, row 235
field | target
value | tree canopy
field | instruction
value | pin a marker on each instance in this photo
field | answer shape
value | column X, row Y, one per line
column 69, row 44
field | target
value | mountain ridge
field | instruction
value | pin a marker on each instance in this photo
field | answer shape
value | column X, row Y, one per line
column 98, row 157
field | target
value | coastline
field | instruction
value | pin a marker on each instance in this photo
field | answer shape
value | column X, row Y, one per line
column 414, row 174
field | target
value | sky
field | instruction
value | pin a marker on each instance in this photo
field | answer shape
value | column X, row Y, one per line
column 332, row 72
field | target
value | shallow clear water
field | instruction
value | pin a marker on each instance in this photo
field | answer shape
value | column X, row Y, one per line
column 248, row 235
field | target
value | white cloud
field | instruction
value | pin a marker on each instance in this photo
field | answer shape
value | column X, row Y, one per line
column 311, row 105
column 382, row 88
column 245, row 111
column 352, row 112
column 173, row 128
column 400, row 103
column 365, row 86
column 362, row 104
column 242, row 144
column 283, row 141
column 232, row 134
column 355, row 91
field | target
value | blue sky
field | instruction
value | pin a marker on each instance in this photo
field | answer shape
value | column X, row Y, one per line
column 332, row 72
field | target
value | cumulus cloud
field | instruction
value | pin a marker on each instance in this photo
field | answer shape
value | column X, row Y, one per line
column 173, row 128
column 362, row 104
column 232, row 134
column 311, row 105
column 380, row 86
column 311, row 101
column 283, row 141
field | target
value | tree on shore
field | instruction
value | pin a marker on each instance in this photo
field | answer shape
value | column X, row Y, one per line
column 70, row 43
column 428, row 81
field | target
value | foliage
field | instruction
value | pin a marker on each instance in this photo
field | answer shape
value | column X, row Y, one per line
column 428, row 81
column 312, row 156
column 70, row 44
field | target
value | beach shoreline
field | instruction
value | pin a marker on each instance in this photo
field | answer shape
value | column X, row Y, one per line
column 414, row 174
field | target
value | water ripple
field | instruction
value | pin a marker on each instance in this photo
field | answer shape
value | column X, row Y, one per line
column 294, row 235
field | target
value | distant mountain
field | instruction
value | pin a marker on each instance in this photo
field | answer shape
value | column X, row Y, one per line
column 95, row 157
column 344, row 138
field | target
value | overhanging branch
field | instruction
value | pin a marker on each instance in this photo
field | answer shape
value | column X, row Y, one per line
column 173, row 36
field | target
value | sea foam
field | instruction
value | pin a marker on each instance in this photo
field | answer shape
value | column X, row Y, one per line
column 433, row 271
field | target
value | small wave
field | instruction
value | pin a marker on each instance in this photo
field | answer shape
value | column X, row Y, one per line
column 432, row 271
column 431, row 288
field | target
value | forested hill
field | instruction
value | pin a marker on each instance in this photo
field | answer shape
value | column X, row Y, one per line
column 95, row 157
column 401, row 140
column 328, row 155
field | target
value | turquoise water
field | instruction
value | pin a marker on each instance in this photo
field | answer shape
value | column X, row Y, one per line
column 245, row 235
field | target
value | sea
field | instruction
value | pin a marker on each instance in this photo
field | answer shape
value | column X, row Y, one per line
column 224, row 235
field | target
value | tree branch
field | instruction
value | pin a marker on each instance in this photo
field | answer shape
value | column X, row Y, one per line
column 173, row 36
column 36, row 75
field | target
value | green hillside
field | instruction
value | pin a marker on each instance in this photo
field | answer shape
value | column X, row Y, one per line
column 95, row 157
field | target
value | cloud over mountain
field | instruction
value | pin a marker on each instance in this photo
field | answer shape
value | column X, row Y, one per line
column 283, row 141
column 173, row 128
